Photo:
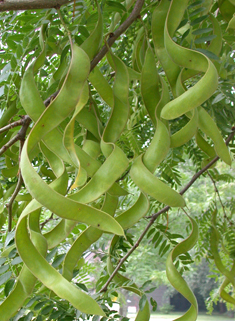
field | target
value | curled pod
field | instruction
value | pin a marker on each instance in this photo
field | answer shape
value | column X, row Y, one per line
column 153, row 186
column 150, row 85
column 159, row 147
column 26, row 280
column 175, row 277
column 50, row 119
column 120, row 112
column 229, row 275
column 208, row 126
column 171, row 69
column 190, row 59
column 187, row 132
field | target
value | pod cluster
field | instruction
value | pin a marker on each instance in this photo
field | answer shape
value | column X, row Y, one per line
column 97, row 177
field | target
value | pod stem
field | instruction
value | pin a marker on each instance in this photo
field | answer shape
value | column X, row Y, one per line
column 163, row 210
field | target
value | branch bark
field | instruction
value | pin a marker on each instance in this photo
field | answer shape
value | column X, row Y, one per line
column 25, row 121
column 7, row 5
column 165, row 209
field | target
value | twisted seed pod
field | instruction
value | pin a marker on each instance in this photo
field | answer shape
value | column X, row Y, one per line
column 27, row 280
column 206, row 148
column 56, row 282
column 187, row 132
column 158, row 148
column 120, row 112
column 145, row 165
column 171, row 69
column 208, row 126
column 153, row 186
column 229, row 275
column 191, row 59
column 175, row 277
column 86, row 239
column 150, row 85
column 92, row 44
column 137, row 55
column 69, row 140
column 102, row 86
column 91, row 234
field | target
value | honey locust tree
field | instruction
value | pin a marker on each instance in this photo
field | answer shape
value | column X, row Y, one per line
column 102, row 104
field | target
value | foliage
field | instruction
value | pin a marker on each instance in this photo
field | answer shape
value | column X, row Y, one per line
column 108, row 136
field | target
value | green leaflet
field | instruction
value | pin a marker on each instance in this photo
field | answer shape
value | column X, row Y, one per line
column 175, row 277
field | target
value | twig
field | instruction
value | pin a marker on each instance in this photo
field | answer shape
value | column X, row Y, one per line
column 218, row 193
column 156, row 215
column 123, row 176
column 19, row 136
column 112, row 38
column 46, row 221
column 8, row 5
column 12, row 125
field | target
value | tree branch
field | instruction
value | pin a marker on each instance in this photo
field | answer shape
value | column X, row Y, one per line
column 156, row 215
column 7, row 5
column 19, row 136
column 12, row 125
column 117, row 33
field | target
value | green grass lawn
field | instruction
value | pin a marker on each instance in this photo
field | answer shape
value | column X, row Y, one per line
column 172, row 316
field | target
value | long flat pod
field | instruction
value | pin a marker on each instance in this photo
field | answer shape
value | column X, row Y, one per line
column 153, row 186
column 230, row 275
column 49, row 276
column 150, row 84
column 120, row 112
column 191, row 59
column 175, row 277
column 171, row 69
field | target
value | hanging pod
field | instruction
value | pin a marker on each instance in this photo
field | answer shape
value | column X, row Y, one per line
column 171, row 69
column 51, row 118
column 153, row 186
column 229, row 275
column 190, row 59
column 175, row 277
